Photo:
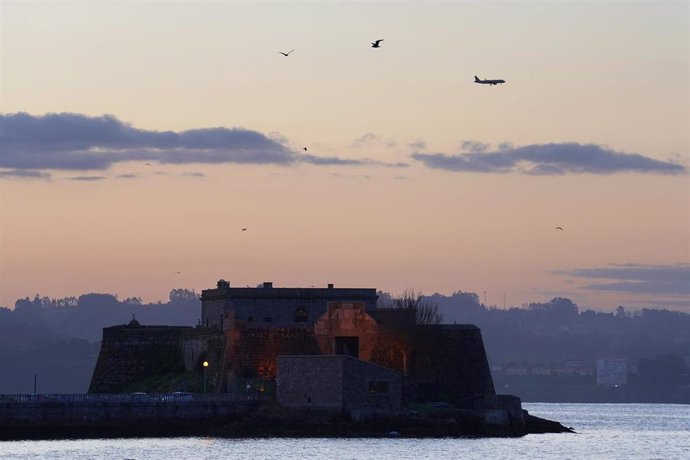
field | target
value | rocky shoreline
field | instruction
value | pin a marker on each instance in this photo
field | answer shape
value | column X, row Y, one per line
column 436, row 424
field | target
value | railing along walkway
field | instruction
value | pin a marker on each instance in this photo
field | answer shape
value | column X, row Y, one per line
column 132, row 398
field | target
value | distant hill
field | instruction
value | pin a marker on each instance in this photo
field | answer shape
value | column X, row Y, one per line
column 59, row 339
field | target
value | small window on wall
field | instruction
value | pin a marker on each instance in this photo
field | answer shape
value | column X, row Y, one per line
column 378, row 388
column 301, row 315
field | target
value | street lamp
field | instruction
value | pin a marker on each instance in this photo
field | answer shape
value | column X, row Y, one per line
column 205, row 364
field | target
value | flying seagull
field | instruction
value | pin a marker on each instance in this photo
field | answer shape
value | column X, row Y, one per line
column 286, row 54
column 376, row 44
column 304, row 148
column 178, row 273
column 559, row 228
column 148, row 164
column 244, row 229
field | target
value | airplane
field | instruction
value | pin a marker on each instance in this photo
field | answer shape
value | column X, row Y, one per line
column 488, row 82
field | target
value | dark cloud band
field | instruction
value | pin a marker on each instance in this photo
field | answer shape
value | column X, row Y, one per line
column 547, row 159
column 78, row 142
column 68, row 141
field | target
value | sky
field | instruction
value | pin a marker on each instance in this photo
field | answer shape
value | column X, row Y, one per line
column 138, row 139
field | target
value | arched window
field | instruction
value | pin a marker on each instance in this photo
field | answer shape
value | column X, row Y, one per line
column 301, row 315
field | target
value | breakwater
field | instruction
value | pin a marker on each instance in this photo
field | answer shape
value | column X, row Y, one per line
column 89, row 415
column 221, row 415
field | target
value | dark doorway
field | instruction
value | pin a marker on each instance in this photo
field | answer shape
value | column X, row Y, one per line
column 347, row 346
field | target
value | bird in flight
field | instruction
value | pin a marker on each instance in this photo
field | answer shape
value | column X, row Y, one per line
column 376, row 44
column 286, row 54
column 178, row 273
column 244, row 229
column 304, row 148
column 148, row 164
column 559, row 228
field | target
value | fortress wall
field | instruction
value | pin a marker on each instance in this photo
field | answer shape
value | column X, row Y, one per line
column 132, row 354
column 213, row 313
column 254, row 351
column 110, row 419
column 450, row 363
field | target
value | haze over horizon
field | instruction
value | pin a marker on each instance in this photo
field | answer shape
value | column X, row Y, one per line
column 138, row 139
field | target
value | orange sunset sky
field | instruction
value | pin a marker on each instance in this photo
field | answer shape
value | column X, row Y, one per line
column 137, row 139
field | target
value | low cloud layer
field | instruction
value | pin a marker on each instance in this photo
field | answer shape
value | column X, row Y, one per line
column 23, row 174
column 87, row 178
column 671, row 280
column 338, row 161
column 67, row 141
column 546, row 159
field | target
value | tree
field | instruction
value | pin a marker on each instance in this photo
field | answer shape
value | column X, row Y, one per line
column 419, row 310
column 401, row 318
column 183, row 296
column 94, row 301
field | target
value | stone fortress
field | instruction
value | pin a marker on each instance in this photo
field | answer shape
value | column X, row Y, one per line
column 286, row 362
column 320, row 348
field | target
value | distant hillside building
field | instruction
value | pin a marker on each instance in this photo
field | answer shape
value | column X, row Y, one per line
column 612, row 372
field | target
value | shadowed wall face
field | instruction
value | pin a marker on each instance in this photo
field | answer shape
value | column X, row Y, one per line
column 450, row 362
column 440, row 362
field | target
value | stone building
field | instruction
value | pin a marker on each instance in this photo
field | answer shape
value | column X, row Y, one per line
column 243, row 331
column 266, row 306
column 261, row 323
column 338, row 384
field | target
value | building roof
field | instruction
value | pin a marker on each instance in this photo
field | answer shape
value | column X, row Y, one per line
column 267, row 291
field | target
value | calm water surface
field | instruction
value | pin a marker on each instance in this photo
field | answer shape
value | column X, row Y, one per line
column 605, row 431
